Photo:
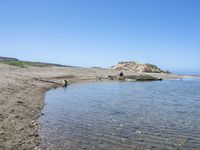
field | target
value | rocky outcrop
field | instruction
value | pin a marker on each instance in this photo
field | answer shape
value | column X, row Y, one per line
column 138, row 67
column 142, row 77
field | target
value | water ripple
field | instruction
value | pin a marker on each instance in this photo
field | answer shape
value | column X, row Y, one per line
column 122, row 116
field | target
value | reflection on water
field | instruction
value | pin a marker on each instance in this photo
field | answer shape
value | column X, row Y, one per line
column 122, row 116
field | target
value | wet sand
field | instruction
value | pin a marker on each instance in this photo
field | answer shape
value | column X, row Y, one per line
column 22, row 98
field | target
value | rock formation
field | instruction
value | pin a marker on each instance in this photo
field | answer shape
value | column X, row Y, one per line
column 138, row 67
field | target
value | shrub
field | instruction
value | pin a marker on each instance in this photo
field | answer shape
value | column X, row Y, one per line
column 146, row 78
column 23, row 64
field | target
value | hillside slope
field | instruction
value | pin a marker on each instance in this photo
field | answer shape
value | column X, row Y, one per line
column 8, row 59
column 138, row 67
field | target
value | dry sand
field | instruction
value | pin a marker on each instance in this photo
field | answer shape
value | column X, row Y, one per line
column 22, row 94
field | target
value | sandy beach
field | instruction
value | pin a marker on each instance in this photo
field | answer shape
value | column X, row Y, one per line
column 137, row 60
column 22, row 98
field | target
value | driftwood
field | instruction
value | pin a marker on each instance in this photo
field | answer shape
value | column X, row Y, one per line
column 47, row 81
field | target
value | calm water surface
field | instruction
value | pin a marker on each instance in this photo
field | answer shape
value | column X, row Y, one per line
column 123, row 116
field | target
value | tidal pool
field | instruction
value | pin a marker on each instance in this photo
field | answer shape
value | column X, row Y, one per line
column 160, row 115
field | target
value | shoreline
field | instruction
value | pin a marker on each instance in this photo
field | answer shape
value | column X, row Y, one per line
column 22, row 98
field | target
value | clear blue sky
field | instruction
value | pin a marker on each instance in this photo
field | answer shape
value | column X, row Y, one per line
column 103, row 32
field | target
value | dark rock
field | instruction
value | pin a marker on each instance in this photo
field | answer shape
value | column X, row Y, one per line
column 20, row 102
column 121, row 74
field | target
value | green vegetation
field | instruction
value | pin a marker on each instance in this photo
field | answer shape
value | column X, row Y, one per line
column 152, row 66
column 125, row 62
column 146, row 78
column 142, row 77
column 122, row 78
column 23, row 64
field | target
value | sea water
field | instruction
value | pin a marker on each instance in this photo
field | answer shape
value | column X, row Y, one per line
column 122, row 116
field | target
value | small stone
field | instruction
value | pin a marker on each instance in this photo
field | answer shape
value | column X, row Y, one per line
column 136, row 127
column 153, row 147
column 1, row 132
column 17, row 117
column 141, row 140
column 12, row 110
column 189, row 138
column 123, row 139
column 138, row 132
column 19, row 102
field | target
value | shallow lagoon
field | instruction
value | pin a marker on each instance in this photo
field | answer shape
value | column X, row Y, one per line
column 122, row 116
